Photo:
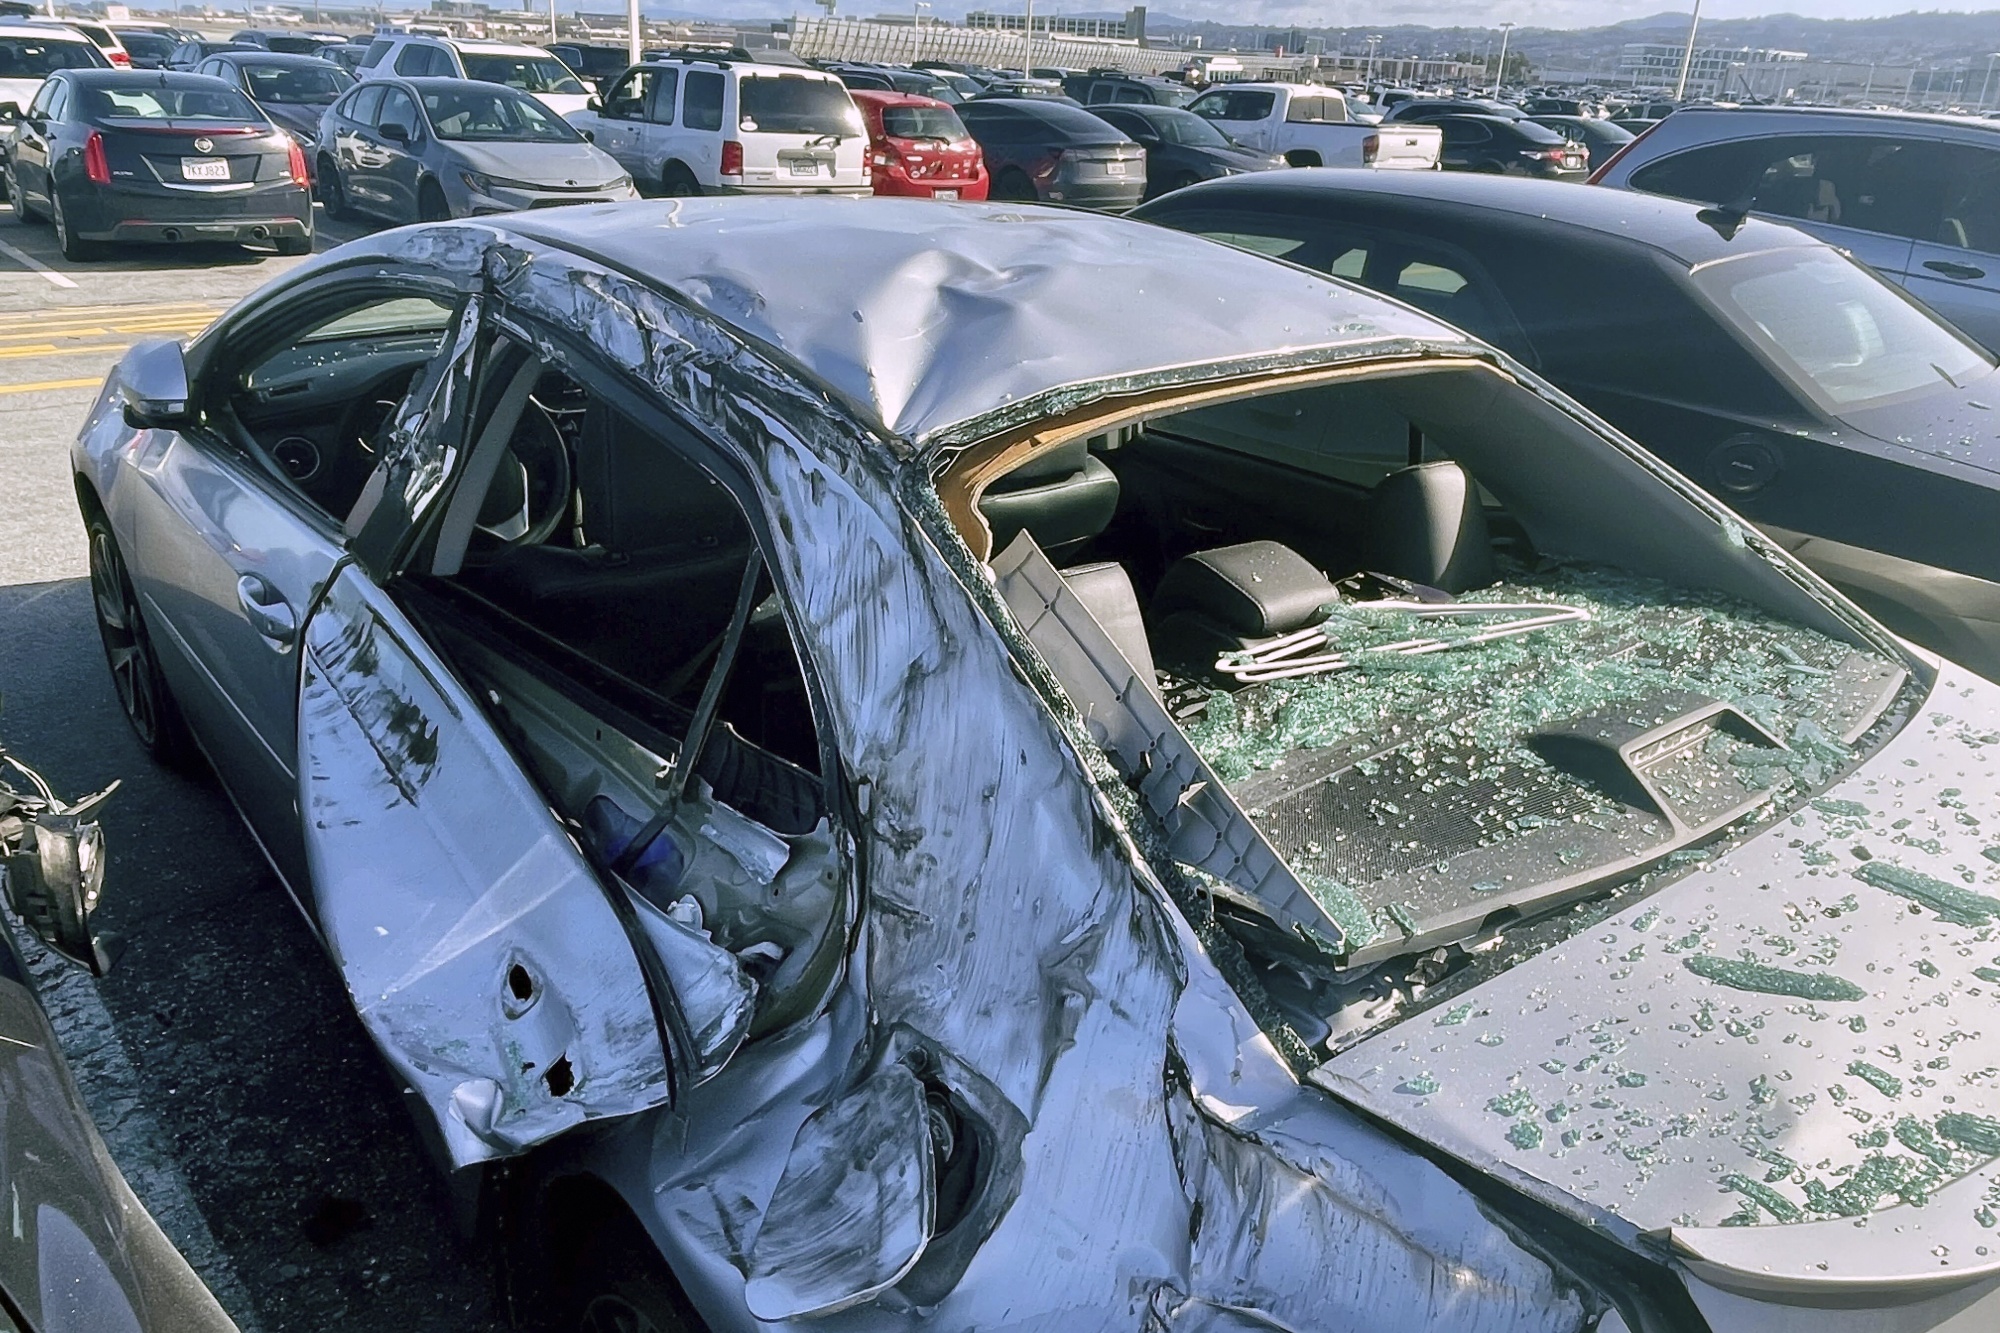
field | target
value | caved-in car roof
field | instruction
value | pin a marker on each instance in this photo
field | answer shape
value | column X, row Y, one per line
column 923, row 315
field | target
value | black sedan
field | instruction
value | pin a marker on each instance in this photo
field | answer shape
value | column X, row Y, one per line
column 148, row 50
column 294, row 91
column 1181, row 147
column 121, row 155
column 1431, row 108
column 1601, row 139
column 1056, row 152
column 1846, row 420
column 1501, row 147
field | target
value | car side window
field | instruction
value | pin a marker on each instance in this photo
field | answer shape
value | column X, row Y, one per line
column 397, row 109
column 1462, row 134
column 373, row 56
column 1875, row 183
column 362, row 107
column 701, row 104
column 1441, row 287
column 315, row 403
column 664, row 89
column 627, row 98
column 39, row 108
column 1232, row 104
column 58, row 101
column 1970, row 219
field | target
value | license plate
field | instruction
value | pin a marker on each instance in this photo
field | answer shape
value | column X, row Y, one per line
column 805, row 168
column 944, row 194
column 1573, row 162
column 204, row 169
column 1114, row 168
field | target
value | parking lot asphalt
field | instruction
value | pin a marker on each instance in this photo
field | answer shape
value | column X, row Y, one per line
column 220, row 1057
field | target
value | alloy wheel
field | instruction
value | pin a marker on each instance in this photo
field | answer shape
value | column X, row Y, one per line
column 133, row 675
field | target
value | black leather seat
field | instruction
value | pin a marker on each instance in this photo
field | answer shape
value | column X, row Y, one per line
column 1426, row 524
column 1064, row 497
column 1232, row 598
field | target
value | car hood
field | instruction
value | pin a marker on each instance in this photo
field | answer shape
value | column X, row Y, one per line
column 551, row 164
column 1782, row 1061
column 19, row 91
column 1237, row 159
column 1960, row 425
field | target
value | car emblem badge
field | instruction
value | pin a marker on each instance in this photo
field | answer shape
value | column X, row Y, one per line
column 204, row 144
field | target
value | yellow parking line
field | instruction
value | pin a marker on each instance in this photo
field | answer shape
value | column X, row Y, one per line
column 139, row 308
column 42, row 385
column 43, row 335
column 50, row 349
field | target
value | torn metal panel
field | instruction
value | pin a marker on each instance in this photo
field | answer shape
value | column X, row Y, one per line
column 482, row 956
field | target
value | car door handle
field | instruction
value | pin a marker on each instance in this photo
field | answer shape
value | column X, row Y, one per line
column 269, row 614
column 1966, row 272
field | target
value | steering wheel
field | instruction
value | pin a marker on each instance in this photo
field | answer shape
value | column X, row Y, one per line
column 528, row 497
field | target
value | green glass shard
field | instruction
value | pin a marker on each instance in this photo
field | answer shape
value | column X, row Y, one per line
column 1742, row 974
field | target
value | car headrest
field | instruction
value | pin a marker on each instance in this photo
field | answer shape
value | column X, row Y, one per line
column 1254, row 590
column 1426, row 524
column 1062, row 498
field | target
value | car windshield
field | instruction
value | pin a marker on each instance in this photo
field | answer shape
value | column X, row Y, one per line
column 531, row 74
column 308, row 85
column 146, row 45
column 922, row 122
column 791, row 104
column 1845, row 337
column 1187, row 129
column 34, row 58
column 170, row 103
column 492, row 115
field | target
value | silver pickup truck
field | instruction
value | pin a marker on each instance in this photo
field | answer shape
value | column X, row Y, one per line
column 1309, row 126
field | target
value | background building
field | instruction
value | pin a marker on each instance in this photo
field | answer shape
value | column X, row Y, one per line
column 1716, row 71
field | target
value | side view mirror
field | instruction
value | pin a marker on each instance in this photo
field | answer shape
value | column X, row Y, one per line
column 394, row 132
column 153, row 384
column 589, row 136
column 10, row 112
column 52, row 865
column 595, row 104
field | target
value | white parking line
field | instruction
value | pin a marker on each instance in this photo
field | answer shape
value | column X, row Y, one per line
column 30, row 262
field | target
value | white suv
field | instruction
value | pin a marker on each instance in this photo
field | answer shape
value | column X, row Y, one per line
column 528, row 68
column 713, row 126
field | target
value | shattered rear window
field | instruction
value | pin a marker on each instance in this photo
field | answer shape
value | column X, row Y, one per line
column 1375, row 781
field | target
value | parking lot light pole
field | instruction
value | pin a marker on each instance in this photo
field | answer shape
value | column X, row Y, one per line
column 1687, row 56
column 632, row 42
column 917, row 29
column 1987, row 85
column 1500, row 70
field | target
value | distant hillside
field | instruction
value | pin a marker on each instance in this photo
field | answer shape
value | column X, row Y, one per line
column 1913, row 38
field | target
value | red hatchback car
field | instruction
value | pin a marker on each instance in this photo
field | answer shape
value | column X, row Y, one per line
column 918, row 146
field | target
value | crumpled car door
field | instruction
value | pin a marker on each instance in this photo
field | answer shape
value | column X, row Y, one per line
column 482, row 952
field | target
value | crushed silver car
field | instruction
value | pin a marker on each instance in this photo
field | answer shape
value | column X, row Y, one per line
column 878, row 765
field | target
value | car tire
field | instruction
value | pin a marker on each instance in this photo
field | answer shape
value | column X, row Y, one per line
column 432, row 206
column 74, row 248
column 22, row 213
column 677, row 182
column 143, row 694
column 333, row 192
column 1014, row 187
column 622, row 1287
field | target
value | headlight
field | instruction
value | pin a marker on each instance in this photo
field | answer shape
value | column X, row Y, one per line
column 477, row 183
column 622, row 182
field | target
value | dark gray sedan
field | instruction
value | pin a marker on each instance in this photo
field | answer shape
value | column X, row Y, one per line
column 409, row 150
column 293, row 90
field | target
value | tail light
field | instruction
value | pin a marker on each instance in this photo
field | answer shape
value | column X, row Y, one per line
column 122, row 59
column 1370, row 145
column 94, row 165
column 298, row 164
column 732, row 158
